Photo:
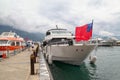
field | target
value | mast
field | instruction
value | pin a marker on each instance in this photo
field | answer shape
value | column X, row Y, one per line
column 57, row 26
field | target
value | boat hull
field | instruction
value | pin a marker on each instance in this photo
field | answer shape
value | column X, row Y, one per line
column 11, row 48
column 74, row 54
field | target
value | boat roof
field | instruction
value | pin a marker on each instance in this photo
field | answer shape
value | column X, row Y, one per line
column 10, row 36
column 13, row 39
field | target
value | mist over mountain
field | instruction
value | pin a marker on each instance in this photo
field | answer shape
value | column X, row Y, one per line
column 32, row 36
column 38, row 36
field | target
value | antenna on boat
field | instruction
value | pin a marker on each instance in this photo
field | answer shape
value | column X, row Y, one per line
column 57, row 26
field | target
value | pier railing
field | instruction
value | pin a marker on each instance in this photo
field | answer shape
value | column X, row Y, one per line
column 8, row 53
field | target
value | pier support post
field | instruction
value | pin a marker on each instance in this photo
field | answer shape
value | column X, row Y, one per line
column 32, row 64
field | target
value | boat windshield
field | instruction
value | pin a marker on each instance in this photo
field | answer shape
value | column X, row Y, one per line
column 7, row 34
column 3, row 41
column 60, row 32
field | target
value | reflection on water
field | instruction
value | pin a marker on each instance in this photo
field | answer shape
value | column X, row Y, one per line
column 62, row 71
column 92, row 71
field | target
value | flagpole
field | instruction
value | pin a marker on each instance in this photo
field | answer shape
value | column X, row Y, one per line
column 92, row 27
column 92, row 22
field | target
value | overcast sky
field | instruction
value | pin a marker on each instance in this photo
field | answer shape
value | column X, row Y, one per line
column 41, row 15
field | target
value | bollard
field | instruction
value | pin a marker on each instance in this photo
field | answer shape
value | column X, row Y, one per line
column 32, row 64
column 37, row 50
column 34, row 56
column 35, row 53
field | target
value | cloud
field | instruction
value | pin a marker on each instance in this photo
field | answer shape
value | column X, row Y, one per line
column 41, row 15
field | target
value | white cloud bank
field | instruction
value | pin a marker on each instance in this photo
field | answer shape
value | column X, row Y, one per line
column 41, row 15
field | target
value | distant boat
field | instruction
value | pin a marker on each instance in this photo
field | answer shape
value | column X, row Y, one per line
column 118, row 43
column 10, row 41
column 59, row 45
column 111, row 41
column 106, row 43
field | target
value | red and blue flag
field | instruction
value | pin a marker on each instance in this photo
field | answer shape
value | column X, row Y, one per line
column 83, row 32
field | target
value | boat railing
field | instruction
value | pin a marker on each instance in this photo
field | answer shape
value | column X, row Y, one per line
column 69, row 42
column 58, row 43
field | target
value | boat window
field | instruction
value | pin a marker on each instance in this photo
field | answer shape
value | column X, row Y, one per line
column 48, row 33
column 60, row 32
column 11, row 34
column 15, row 35
column 23, row 44
column 5, row 34
column 17, row 43
column 3, row 41
column 12, row 43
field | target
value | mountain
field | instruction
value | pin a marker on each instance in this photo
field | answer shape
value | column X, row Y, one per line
column 24, row 34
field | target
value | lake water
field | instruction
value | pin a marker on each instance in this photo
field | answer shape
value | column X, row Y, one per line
column 107, row 67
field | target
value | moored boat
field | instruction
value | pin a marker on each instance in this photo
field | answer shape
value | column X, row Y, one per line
column 10, row 41
column 60, row 45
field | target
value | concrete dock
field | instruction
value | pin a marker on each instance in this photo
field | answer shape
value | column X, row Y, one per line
column 45, row 73
column 17, row 67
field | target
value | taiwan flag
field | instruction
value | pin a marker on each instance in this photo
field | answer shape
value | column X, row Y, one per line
column 83, row 32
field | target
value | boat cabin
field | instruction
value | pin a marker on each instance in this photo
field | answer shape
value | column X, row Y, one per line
column 58, row 36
